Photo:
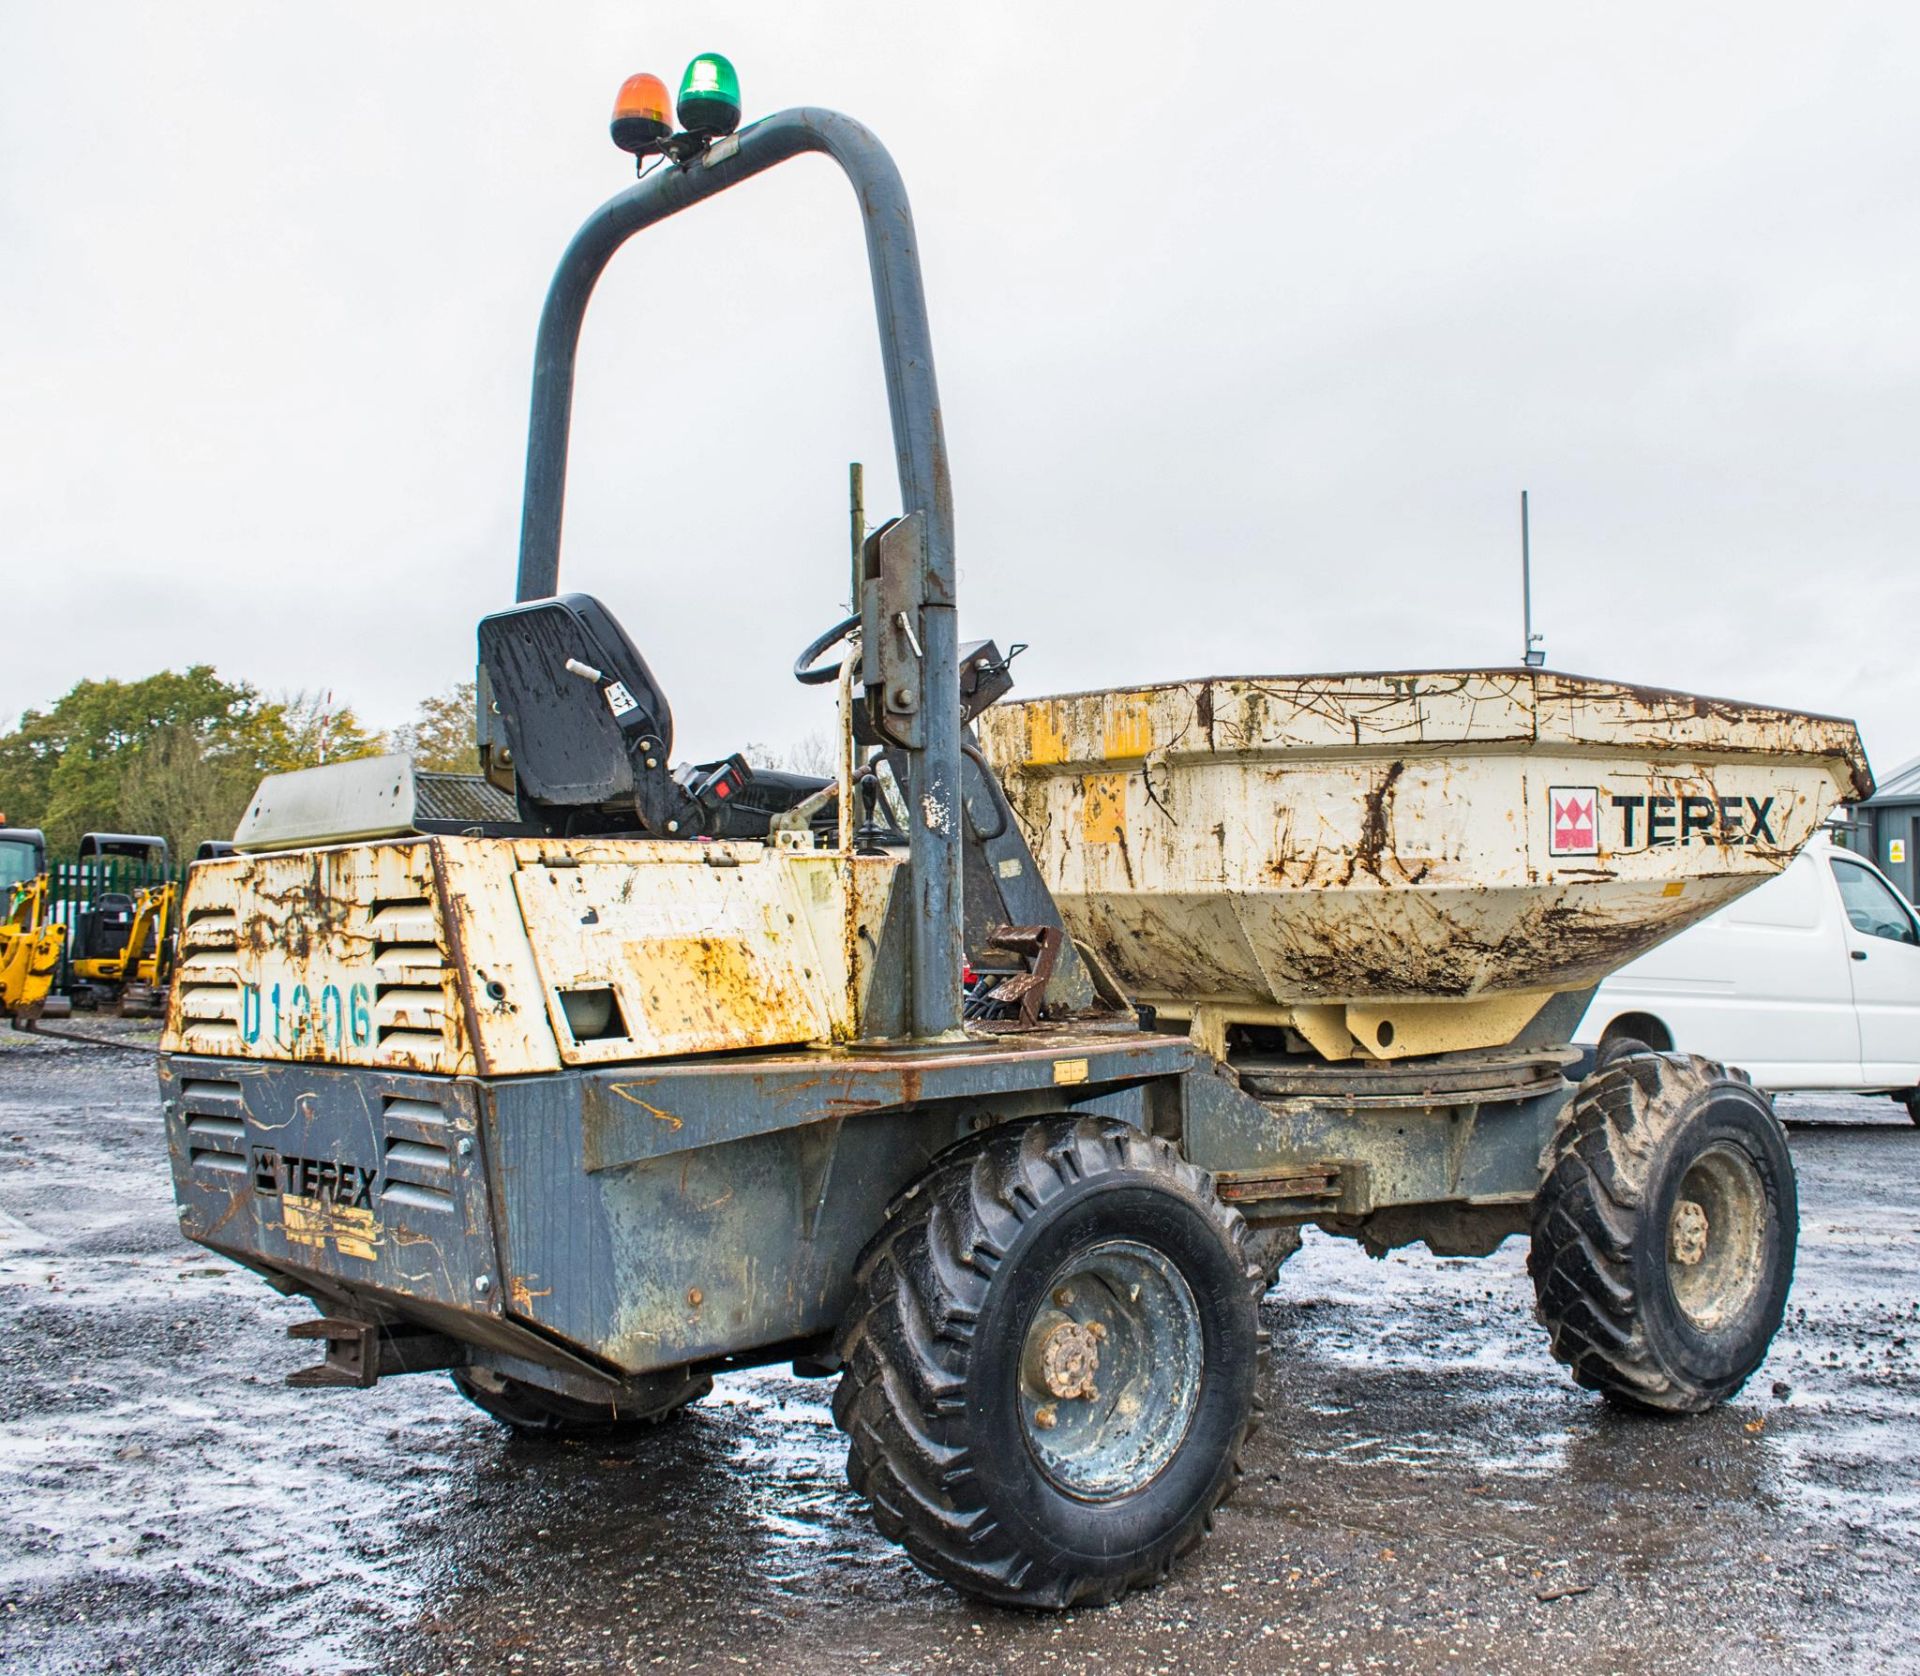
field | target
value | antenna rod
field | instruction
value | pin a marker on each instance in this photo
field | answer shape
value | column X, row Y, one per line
column 1530, row 652
column 1526, row 583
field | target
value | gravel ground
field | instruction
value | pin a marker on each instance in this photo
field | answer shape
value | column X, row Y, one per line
column 1429, row 1492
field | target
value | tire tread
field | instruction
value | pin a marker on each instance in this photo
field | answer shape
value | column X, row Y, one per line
column 921, row 1287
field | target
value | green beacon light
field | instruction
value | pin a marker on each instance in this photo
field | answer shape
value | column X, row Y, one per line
column 709, row 100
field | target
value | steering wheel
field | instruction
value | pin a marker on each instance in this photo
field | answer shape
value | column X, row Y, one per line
column 811, row 674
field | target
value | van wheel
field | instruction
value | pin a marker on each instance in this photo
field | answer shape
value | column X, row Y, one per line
column 537, row 1412
column 1911, row 1100
column 1664, row 1233
column 1053, row 1358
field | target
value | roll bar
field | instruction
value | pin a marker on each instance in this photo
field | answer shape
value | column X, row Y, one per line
column 920, row 457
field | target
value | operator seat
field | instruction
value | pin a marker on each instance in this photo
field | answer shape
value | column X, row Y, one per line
column 591, row 732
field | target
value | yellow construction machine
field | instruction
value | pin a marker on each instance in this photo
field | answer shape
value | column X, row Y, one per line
column 121, row 938
column 30, row 939
column 133, row 972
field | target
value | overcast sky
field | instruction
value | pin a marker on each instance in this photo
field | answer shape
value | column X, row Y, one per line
column 1251, row 323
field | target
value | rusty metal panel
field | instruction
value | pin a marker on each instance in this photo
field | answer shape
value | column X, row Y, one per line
column 714, row 1207
column 1398, row 1150
column 707, row 1253
column 374, row 1182
column 334, row 956
column 451, row 954
column 487, row 941
column 704, row 948
column 1368, row 839
column 655, row 1111
column 844, row 899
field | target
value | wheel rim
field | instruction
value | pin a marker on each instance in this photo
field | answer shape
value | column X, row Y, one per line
column 1716, row 1237
column 1110, row 1370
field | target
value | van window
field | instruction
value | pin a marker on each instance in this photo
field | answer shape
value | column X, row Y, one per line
column 1792, row 900
column 1871, row 907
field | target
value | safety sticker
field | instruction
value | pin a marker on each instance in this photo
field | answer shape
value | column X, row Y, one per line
column 619, row 700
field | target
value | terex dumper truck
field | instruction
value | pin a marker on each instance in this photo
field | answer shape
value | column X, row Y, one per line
column 992, row 1076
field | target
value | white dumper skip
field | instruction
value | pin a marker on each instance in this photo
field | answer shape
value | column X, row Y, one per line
column 1402, row 864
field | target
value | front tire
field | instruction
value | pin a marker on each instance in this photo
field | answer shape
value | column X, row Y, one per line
column 1052, row 1361
column 1664, row 1233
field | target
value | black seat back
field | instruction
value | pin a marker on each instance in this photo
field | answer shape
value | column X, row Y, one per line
column 569, row 745
column 104, row 926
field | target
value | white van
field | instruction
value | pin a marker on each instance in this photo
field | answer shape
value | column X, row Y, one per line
column 1810, row 981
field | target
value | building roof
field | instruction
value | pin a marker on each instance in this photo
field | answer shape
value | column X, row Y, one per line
column 1901, row 786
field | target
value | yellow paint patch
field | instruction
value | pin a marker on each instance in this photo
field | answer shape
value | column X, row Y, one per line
column 1069, row 1070
column 523, row 1294
column 316, row 1222
column 1129, row 731
column 1103, row 808
column 1673, row 887
column 1046, row 738
column 705, row 993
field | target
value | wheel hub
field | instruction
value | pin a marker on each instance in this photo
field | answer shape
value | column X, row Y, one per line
column 1069, row 1358
column 1687, row 1235
column 1111, row 1369
column 1716, row 1237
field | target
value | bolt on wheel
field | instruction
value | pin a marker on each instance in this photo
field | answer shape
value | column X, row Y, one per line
column 1715, row 1251
column 1110, row 1373
column 1052, row 1359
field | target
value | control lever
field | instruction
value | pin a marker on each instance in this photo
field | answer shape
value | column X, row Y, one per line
column 867, row 835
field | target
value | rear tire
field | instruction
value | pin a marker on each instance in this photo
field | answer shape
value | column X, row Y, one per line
column 1269, row 1248
column 1912, row 1102
column 1030, row 1267
column 536, row 1412
column 1664, row 1233
column 1615, row 1048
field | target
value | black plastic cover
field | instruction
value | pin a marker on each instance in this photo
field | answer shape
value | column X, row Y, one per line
column 569, row 745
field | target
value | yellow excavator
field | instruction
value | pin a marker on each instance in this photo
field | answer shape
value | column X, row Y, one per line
column 30, row 939
column 121, row 941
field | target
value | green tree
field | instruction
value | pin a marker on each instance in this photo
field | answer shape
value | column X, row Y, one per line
column 185, row 788
column 303, row 729
column 440, row 737
column 178, row 753
column 65, row 767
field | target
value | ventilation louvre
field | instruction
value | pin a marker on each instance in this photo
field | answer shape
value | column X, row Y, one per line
column 207, row 992
column 409, row 998
column 210, row 928
column 214, row 1117
column 417, row 1169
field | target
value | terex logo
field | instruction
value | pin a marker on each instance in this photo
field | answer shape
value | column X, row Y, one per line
column 312, row 1178
column 1576, row 820
column 1575, row 815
